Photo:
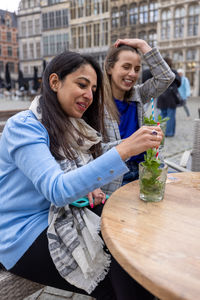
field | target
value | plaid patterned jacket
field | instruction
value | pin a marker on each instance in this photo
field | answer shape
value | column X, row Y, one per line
column 152, row 88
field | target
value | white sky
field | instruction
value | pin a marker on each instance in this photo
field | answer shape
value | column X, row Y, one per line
column 10, row 5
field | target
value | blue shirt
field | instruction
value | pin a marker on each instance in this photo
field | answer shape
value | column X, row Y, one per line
column 184, row 88
column 128, row 122
column 31, row 179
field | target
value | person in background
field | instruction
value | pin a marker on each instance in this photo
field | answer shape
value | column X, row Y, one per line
column 50, row 156
column 124, row 98
column 166, row 102
column 184, row 90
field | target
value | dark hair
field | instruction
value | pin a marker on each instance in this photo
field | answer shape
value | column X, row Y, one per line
column 168, row 61
column 55, row 119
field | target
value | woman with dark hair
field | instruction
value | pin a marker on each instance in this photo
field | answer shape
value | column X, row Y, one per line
column 50, row 156
column 124, row 98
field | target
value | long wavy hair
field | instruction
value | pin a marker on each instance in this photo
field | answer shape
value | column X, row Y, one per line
column 110, row 60
column 55, row 120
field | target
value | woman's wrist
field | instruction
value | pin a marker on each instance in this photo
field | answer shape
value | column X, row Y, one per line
column 144, row 47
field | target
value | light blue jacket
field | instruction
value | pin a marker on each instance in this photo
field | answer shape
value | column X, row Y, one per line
column 184, row 88
column 31, row 179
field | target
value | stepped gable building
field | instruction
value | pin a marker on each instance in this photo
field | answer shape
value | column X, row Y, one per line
column 8, row 43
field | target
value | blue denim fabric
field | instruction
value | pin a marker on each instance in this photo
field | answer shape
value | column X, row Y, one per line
column 171, row 123
column 133, row 173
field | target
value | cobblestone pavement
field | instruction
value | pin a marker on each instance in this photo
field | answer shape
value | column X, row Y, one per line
column 183, row 139
column 173, row 149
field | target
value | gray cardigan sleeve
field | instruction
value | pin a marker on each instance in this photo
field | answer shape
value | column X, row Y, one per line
column 162, row 77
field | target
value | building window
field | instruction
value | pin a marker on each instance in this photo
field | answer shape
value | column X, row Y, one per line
column 23, row 28
column 133, row 14
column 193, row 20
column 191, row 54
column 59, row 43
column 88, row 36
column 58, row 18
column 24, row 51
column 153, row 12
column 10, row 52
column 179, row 22
column 9, row 36
column 45, row 46
column 8, row 22
column 51, row 20
column 152, row 38
column 11, row 67
column 104, row 34
column 178, row 59
column 123, row 15
column 114, row 38
column 65, row 17
column 104, row 6
column 73, row 34
column 80, row 8
column 142, row 35
column 45, row 21
column 88, row 8
column 52, row 49
column 96, row 5
column 25, row 70
column 165, row 24
column 73, row 9
column 115, row 17
column 65, row 41
column 96, row 34
column 38, row 50
column 37, row 26
column 143, row 13
column 80, row 37
column 31, row 50
column 30, row 27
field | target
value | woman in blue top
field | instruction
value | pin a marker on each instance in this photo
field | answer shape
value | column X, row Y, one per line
column 124, row 97
column 50, row 157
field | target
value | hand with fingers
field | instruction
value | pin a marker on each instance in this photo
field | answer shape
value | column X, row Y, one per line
column 144, row 138
column 96, row 197
column 135, row 43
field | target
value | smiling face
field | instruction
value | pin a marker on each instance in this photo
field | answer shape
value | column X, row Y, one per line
column 75, row 92
column 124, row 73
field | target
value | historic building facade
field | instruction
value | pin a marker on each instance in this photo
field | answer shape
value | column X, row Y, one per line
column 30, row 32
column 43, row 33
column 8, row 44
column 130, row 19
column 47, row 27
column 179, row 37
column 90, row 27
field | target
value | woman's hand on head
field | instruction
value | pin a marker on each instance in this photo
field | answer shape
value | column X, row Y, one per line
column 96, row 197
column 135, row 43
column 140, row 141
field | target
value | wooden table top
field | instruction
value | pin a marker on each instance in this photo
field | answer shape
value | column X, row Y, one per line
column 158, row 244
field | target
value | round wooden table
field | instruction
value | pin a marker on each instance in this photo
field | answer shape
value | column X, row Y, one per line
column 158, row 244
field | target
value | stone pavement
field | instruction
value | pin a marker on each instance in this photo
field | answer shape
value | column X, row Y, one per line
column 174, row 147
column 183, row 139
